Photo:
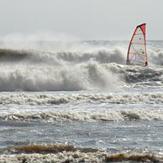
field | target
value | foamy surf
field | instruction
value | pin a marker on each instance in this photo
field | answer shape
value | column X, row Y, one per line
column 82, row 106
column 89, row 115
column 83, row 94
column 68, row 153
column 46, row 98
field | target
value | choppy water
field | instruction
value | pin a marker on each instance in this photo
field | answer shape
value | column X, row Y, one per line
column 81, row 93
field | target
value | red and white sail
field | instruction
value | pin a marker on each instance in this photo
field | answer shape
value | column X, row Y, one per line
column 137, row 54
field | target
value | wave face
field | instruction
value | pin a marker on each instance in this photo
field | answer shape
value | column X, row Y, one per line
column 73, row 66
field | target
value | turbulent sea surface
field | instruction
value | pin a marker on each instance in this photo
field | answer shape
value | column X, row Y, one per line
column 79, row 101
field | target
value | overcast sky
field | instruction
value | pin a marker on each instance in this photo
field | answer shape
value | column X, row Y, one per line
column 84, row 19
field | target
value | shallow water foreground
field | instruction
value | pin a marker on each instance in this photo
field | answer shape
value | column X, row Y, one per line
column 139, row 141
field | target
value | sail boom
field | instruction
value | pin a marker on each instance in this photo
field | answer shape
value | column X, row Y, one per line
column 137, row 43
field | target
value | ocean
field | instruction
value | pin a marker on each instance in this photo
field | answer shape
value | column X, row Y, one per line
column 80, row 94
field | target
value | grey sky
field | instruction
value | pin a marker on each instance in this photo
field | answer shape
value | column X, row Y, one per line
column 85, row 19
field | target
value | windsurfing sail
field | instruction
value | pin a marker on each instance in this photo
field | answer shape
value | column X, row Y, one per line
column 137, row 54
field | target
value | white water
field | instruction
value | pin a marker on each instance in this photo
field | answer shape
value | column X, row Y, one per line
column 85, row 84
column 72, row 66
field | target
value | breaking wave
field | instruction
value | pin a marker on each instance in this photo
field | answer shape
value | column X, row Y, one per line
column 101, row 55
column 52, row 99
column 73, row 67
column 120, row 115
column 52, row 78
column 48, row 110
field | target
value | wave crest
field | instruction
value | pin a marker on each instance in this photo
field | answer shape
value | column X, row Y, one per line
column 74, row 67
